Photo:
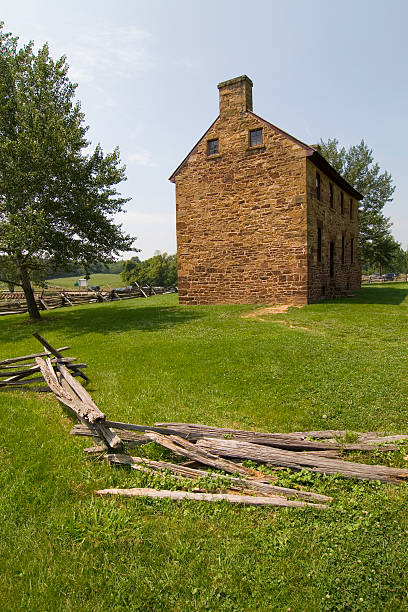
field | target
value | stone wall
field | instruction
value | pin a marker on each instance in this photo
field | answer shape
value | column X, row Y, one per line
column 241, row 218
column 335, row 227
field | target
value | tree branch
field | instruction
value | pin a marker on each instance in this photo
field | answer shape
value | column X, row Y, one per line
column 10, row 282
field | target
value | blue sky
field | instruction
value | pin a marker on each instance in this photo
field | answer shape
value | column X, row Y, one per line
column 148, row 73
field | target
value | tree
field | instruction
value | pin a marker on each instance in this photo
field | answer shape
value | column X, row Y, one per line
column 57, row 201
column 130, row 270
column 357, row 166
column 158, row 271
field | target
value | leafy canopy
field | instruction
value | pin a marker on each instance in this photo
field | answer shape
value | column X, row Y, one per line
column 57, row 198
column 158, row 271
column 357, row 166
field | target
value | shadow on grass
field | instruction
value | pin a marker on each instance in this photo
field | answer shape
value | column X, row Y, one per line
column 375, row 295
column 101, row 319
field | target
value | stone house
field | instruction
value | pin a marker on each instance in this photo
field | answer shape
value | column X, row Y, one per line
column 261, row 216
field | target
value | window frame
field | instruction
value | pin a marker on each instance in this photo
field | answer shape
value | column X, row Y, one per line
column 257, row 144
column 209, row 143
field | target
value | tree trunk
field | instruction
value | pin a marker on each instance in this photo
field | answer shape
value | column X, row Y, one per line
column 29, row 295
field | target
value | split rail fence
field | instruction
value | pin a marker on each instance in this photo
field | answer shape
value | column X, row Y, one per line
column 203, row 451
column 15, row 303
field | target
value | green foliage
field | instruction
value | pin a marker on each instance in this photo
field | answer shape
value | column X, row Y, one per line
column 158, row 271
column 357, row 166
column 56, row 200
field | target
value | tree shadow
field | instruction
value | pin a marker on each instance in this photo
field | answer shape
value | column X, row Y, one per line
column 375, row 295
column 101, row 319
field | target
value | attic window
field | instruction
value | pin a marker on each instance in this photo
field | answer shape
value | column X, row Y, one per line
column 212, row 146
column 255, row 137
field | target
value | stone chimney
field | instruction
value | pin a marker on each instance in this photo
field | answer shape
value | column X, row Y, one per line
column 235, row 96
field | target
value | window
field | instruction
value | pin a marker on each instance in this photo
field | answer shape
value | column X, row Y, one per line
column 255, row 137
column 331, row 195
column 319, row 244
column 212, row 146
column 351, row 208
column 342, row 203
column 351, row 250
column 331, row 261
column 317, row 185
column 343, row 244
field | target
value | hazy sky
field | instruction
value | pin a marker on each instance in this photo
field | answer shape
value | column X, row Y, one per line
column 148, row 73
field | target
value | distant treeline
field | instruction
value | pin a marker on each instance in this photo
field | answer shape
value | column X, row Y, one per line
column 157, row 271
column 95, row 268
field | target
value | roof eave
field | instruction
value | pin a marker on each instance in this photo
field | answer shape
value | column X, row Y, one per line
column 180, row 166
column 322, row 163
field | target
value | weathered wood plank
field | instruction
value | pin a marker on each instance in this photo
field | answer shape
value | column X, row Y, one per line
column 296, row 441
column 273, row 456
column 131, row 439
column 132, row 427
column 242, row 483
column 217, row 431
column 86, row 411
column 246, row 500
column 32, row 356
column 57, row 353
column 185, row 449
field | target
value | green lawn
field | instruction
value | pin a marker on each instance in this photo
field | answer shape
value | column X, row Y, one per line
column 340, row 364
column 108, row 281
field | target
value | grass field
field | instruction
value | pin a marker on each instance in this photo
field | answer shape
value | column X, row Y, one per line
column 108, row 281
column 335, row 365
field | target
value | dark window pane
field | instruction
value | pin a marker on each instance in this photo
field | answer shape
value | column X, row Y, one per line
column 342, row 203
column 331, row 196
column 331, row 261
column 317, row 185
column 319, row 244
column 255, row 138
column 213, row 147
column 351, row 208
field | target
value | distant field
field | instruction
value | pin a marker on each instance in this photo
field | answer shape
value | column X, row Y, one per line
column 103, row 280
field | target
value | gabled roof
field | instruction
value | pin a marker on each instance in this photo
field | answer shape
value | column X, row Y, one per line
column 177, row 170
column 314, row 155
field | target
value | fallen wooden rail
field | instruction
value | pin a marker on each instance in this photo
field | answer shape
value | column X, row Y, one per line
column 297, row 441
column 301, row 460
column 241, row 483
column 71, row 393
column 19, row 372
column 246, row 500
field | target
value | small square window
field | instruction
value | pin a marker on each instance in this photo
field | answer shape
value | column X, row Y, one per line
column 255, row 137
column 212, row 146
